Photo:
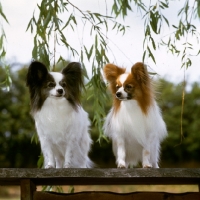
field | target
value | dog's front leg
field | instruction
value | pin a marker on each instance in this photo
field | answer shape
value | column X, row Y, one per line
column 146, row 158
column 49, row 161
column 120, row 153
column 68, row 157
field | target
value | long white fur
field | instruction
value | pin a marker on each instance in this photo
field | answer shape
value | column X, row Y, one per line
column 63, row 132
column 136, row 137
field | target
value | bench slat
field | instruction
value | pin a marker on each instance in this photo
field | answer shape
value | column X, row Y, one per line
column 97, row 176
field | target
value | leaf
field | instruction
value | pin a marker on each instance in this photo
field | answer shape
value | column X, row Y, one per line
column 91, row 50
column 71, row 189
column 151, row 55
column 2, row 14
column 29, row 24
column 153, row 22
column 96, row 42
column 143, row 57
column 47, row 20
column 1, row 41
column 174, row 26
column 40, row 161
column 69, row 19
column 3, row 53
column 198, row 8
column 153, row 43
column 74, row 19
column 164, row 4
column 166, row 20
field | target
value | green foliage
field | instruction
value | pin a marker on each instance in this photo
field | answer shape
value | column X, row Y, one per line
column 198, row 8
column 49, row 26
column 6, row 82
column 56, row 16
column 184, row 31
column 175, row 148
column 17, row 126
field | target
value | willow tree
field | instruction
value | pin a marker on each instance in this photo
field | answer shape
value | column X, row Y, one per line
column 6, row 83
column 52, row 18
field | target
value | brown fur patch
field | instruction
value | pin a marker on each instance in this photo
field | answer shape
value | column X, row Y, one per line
column 111, row 73
column 143, row 89
column 139, row 81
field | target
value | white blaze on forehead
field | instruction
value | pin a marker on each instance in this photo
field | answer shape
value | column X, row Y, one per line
column 123, row 78
column 57, row 77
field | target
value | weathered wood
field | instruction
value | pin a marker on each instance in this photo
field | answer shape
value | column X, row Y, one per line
column 27, row 189
column 101, row 176
column 116, row 196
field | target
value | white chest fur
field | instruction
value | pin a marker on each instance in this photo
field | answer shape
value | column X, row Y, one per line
column 63, row 133
column 134, row 133
column 55, row 116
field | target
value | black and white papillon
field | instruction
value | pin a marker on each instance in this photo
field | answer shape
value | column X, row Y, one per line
column 62, row 124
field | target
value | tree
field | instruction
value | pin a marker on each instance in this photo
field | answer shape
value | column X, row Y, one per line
column 56, row 16
column 17, row 126
column 49, row 28
column 7, row 80
column 173, row 149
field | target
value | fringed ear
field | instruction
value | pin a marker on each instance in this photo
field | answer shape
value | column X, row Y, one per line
column 111, row 72
column 73, row 73
column 139, row 72
column 74, row 79
column 37, row 73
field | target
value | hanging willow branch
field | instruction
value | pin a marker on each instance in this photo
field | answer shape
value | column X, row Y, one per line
column 7, row 82
column 51, row 24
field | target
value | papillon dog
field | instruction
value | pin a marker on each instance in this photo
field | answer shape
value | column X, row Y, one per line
column 62, row 124
column 134, row 123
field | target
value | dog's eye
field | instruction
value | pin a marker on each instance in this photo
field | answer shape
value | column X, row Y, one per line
column 63, row 84
column 117, row 86
column 129, row 87
column 51, row 84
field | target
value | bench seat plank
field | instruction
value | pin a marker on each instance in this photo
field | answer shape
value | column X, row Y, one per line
column 101, row 176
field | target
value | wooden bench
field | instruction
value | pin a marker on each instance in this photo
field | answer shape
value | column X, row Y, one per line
column 28, row 179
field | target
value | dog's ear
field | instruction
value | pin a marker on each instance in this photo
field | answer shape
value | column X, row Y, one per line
column 111, row 72
column 73, row 69
column 73, row 74
column 140, row 73
column 74, row 79
column 37, row 73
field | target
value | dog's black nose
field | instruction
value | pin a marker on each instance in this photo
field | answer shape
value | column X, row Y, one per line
column 60, row 91
column 118, row 94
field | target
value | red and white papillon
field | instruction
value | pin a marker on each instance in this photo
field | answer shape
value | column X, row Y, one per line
column 62, row 124
column 134, row 123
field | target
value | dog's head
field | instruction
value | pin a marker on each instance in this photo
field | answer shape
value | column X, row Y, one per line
column 135, row 85
column 43, row 84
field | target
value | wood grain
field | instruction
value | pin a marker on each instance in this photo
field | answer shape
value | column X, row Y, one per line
column 97, row 176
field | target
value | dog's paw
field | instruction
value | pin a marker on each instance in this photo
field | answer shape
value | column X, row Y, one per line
column 67, row 165
column 48, row 166
column 121, row 165
column 147, row 166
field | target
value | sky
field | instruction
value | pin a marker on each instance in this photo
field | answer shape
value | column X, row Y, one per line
column 127, row 49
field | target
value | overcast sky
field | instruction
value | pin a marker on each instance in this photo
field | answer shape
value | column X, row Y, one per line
column 127, row 48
